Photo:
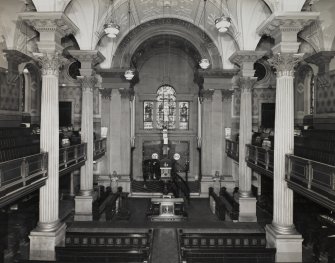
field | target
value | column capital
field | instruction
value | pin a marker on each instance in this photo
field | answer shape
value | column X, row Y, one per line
column 50, row 62
column 206, row 94
column 88, row 59
column 246, row 83
column 126, row 93
column 284, row 27
column 226, row 94
column 245, row 59
column 106, row 93
column 284, row 63
column 322, row 60
column 87, row 82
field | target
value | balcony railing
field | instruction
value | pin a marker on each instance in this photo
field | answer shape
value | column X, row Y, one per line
column 22, row 176
column 100, row 147
column 71, row 158
column 260, row 159
column 232, row 149
column 312, row 179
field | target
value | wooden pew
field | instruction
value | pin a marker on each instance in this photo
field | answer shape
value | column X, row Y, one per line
column 224, row 247
column 116, row 246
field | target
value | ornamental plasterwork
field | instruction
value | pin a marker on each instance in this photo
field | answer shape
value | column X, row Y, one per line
column 246, row 84
column 291, row 21
column 227, row 94
column 285, row 63
column 88, row 83
column 50, row 62
column 50, row 21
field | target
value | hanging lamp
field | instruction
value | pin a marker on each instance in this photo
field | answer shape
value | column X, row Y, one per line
column 129, row 73
column 204, row 62
column 111, row 28
column 222, row 23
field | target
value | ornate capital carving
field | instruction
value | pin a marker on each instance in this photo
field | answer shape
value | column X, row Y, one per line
column 87, row 82
column 226, row 94
column 206, row 94
column 285, row 63
column 322, row 82
column 106, row 93
column 50, row 21
column 50, row 62
column 127, row 93
column 246, row 83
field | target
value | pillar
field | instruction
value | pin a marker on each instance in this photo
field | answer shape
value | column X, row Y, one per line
column 246, row 81
column 281, row 234
column 49, row 232
column 88, row 59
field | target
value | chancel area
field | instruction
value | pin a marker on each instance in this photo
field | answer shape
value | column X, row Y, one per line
column 167, row 131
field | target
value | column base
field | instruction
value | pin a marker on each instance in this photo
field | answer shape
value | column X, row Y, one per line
column 247, row 209
column 43, row 243
column 289, row 246
column 83, row 208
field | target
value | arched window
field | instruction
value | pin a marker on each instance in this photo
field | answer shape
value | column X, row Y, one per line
column 166, row 107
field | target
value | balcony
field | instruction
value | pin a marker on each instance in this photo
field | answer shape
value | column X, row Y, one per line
column 71, row 158
column 22, row 176
column 260, row 160
column 311, row 179
column 232, row 149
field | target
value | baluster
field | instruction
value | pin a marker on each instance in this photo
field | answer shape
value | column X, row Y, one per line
column 76, row 153
column 0, row 178
column 23, row 171
column 267, row 159
column 308, row 176
column 65, row 157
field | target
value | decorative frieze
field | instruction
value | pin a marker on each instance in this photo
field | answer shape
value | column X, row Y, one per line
column 50, row 22
column 284, row 63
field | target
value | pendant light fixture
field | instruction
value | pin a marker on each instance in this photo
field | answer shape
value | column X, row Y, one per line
column 129, row 73
column 111, row 28
column 223, row 23
column 204, row 62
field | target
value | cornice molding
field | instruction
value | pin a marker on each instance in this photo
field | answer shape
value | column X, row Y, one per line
column 239, row 57
column 286, row 21
column 50, row 21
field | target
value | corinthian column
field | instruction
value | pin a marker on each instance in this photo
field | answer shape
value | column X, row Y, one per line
column 88, row 59
column 284, row 27
column 50, row 232
column 246, row 81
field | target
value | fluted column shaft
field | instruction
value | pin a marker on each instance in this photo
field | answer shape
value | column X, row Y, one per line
column 86, row 172
column 284, row 141
column 49, row 141
column 245, row 134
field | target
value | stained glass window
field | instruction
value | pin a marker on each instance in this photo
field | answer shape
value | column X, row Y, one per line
column 183, row 115
column 166, row 107
column 148, row 107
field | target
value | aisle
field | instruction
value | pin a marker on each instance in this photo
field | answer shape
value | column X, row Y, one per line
column 165, row 246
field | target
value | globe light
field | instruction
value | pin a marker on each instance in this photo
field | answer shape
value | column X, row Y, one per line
column 222, row 23
column 129, row 74
column 204, row 63
column 111, row 29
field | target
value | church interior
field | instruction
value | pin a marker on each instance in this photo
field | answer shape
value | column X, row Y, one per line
column 167, row 131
